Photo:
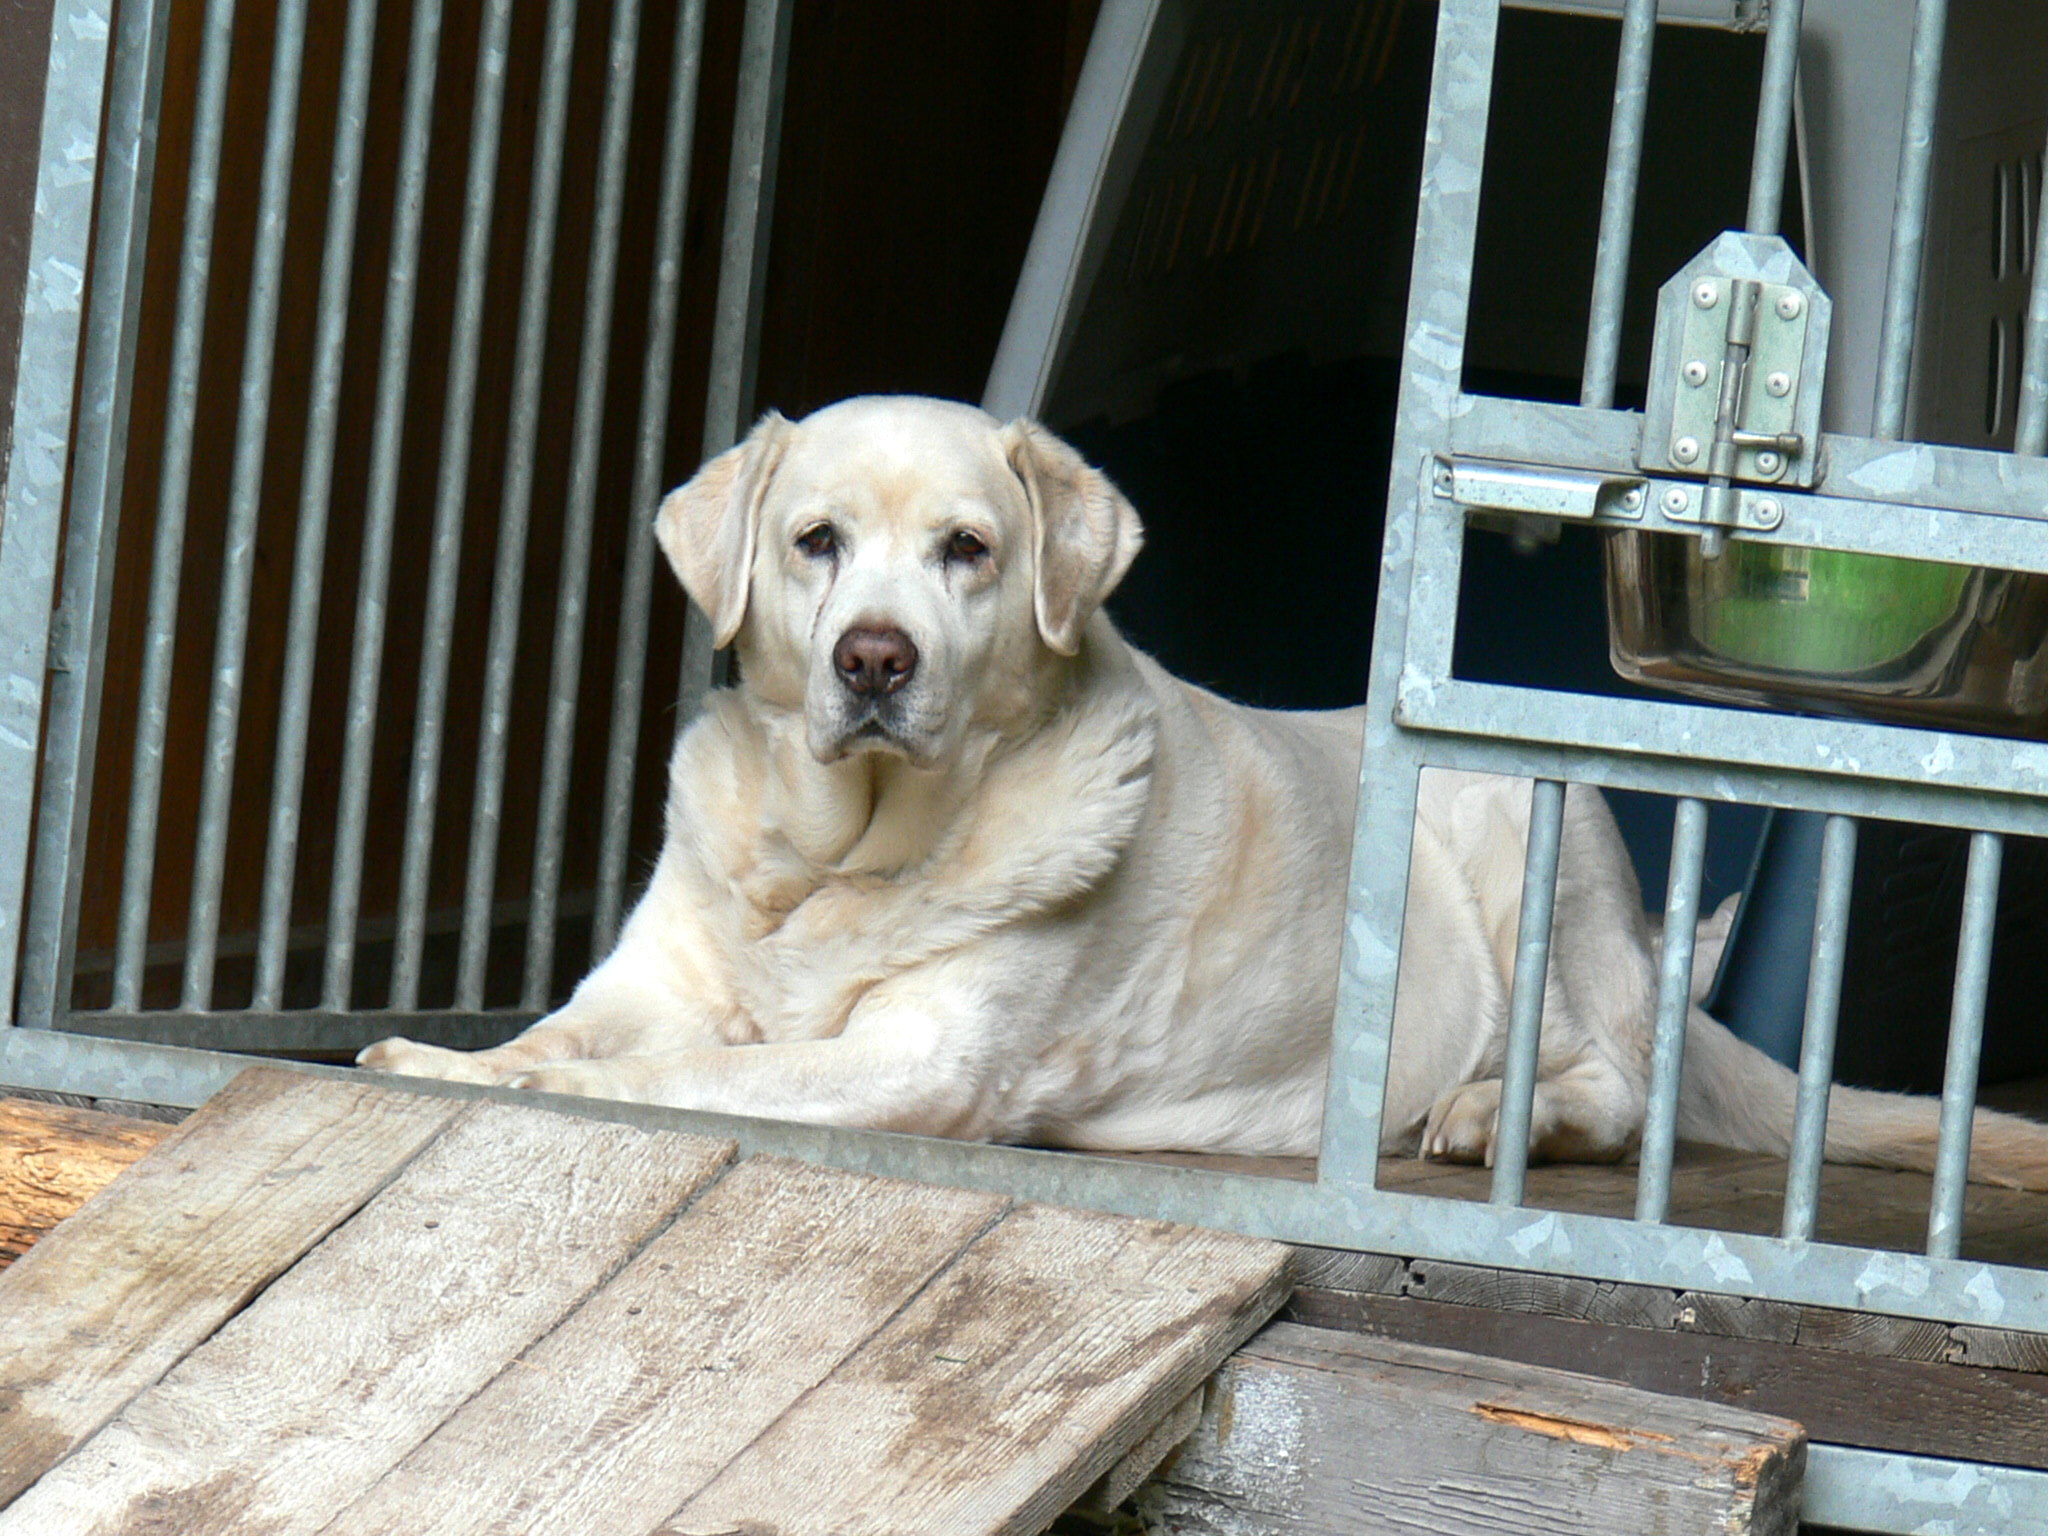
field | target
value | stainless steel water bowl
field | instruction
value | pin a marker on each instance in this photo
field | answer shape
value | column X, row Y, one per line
column 1812, row 629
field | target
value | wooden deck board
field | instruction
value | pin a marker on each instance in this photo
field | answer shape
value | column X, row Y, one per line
column 362, row 1348
column 54, row 1158
column 1457, row 1445
column 751, row 1298
column 176, row 1245
column 1070, row 1331
column 342, row 1307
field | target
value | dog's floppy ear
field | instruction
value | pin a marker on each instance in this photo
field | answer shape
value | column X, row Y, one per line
column 1087, row 533
column 707, row 527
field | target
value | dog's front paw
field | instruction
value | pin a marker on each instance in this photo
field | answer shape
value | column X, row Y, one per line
column 409, row 1058
column 1462, row 1124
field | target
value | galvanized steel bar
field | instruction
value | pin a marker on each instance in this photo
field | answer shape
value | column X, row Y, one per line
column 1525, row 1004
column 630, row 670
column 2030, row 433
column 444, row 563
column 1965, row 1045
column 508, row 578
column 106, row 385
column 316, row 488
column 181, row 407
column 245, row 498
column 1390, row 775
column 1674, row 1004
column 742, row 273
column 1817, row 1038
column 1909, row 222
column 1618, row 202
column 366, row 655
column 1774, row 118
column 572, row 584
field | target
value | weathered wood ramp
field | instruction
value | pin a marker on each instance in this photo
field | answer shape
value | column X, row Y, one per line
column 346, row 1307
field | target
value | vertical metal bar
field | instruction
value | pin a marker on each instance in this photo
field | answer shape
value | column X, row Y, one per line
column 2030, row 435
column 1674, row 1003
column 1618, row 202
column 1909, row 222
column 571, row 593
column 106, row 386
column 1774, row 118
column 316, row 487
column 1525, row 1004
column 742, row 268
column 444, row 564
column 630, row 671
column 1817, row 1038
column 245, row 496
column 366, row 654
column 1965, row 1045
column 1420, row 551
column 508, row 579
column 195, row 262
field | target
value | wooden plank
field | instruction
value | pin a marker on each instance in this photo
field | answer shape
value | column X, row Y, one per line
column 1308, row 1433
column 1546, row 1295
column 157, row 1260
column 1847, row 1399
column 1013, row 1383
column 53, row 1159
column 356, row 1354
column 758, row 1292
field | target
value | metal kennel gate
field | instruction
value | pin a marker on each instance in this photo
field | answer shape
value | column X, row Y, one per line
column 1454, row 453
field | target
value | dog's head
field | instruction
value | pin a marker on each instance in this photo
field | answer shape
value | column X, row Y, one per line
column 899, row 569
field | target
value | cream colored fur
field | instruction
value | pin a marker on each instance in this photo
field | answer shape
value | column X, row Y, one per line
column 1049, row 893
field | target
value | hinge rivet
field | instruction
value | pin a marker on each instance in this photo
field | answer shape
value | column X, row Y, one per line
column 1695, row 373
column 1768, row 463
column 1707, row 295
column 1632, row 498
column 1789, row 306
column 1676, row 500
column 1686, row 449
column 1779, row 384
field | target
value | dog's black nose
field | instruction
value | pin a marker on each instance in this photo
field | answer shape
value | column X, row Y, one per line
column 874, row 660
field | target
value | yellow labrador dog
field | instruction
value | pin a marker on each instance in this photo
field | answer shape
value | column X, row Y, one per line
column 955, row 859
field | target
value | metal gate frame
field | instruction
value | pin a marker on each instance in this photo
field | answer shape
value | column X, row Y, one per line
column 1876, row 496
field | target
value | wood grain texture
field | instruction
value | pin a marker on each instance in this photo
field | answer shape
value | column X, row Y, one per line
column 53, row 1159
column 1308, row 1433
column 1847, row 1399
column 1012, row 1383
column 109, row 1301
column 758, row 1292
column 349, row 1360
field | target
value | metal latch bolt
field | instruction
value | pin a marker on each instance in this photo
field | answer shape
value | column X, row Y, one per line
column 1736, row 375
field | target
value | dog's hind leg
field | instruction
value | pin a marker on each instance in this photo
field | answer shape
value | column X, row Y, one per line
column 1587, row 1113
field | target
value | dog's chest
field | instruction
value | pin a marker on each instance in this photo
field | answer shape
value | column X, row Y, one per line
column 803, row 953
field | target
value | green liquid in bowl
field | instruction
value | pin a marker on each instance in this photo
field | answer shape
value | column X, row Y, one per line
column 1819, row 610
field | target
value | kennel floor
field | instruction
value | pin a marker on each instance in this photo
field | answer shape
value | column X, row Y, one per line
column 1727, row 1191
column 342, row 1306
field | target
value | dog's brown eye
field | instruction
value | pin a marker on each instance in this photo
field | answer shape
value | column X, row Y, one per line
column 818, row 542
column 965, row 546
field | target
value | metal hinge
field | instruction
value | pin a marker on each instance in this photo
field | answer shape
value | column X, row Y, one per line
column 1736, row 374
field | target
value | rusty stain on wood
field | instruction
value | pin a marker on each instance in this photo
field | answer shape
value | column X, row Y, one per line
column 1558, row 1427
